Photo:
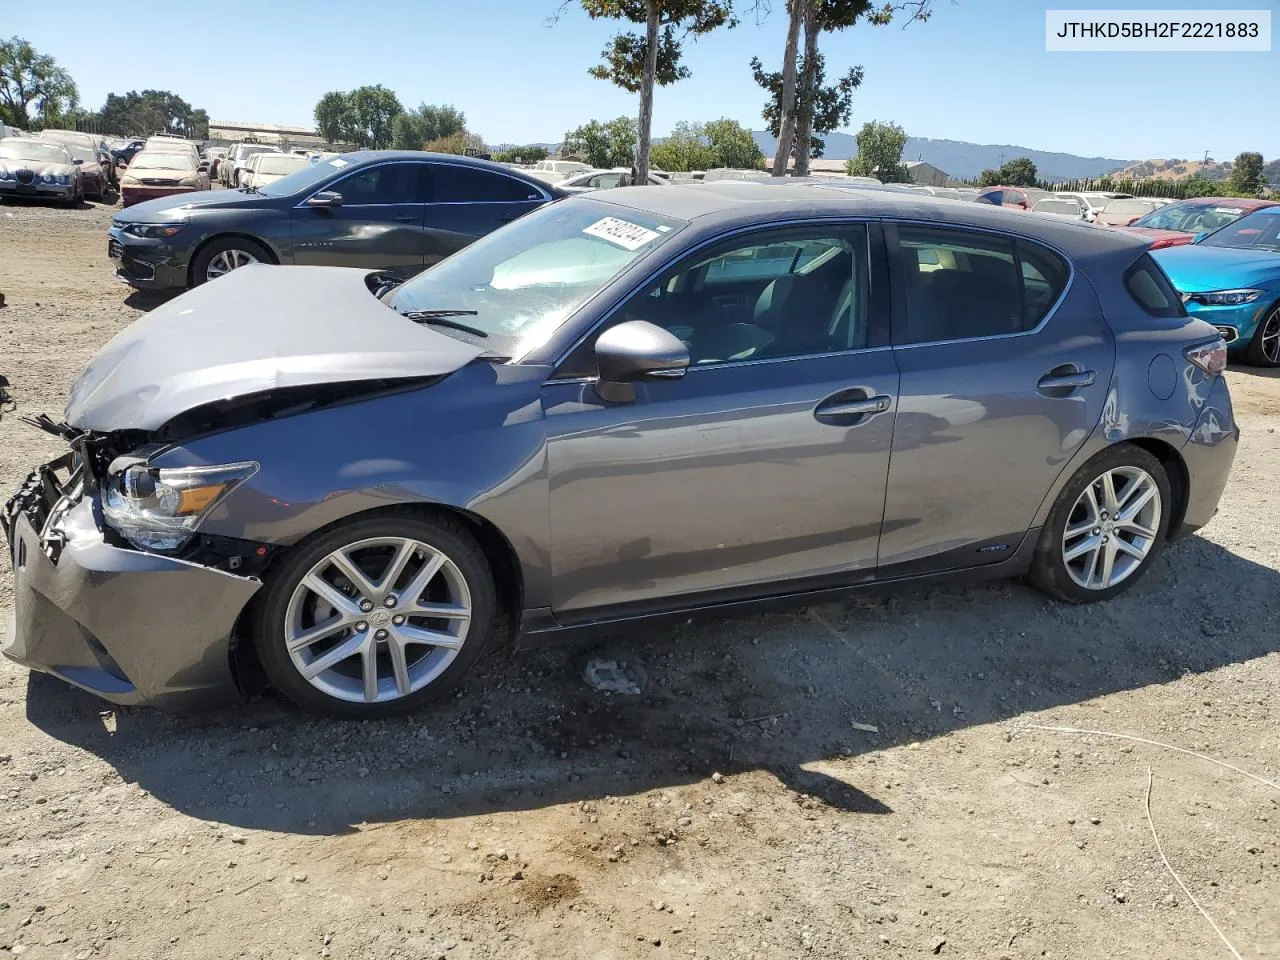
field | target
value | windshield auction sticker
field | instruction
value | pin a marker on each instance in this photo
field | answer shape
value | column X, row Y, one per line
column 630, row 236
column 1138, row 31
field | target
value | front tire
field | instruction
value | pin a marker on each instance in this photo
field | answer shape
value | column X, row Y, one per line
column 222, row 256
column 1264, row 347
column 378, row 617
column 1106, row 527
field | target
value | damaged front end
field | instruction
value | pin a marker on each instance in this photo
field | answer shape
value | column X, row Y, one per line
column 92, row 608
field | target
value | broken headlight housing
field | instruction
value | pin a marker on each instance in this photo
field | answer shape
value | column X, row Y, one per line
column 159, row 508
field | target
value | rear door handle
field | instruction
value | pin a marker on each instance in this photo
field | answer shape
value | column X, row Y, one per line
column 860, row 407
column 1066, row 378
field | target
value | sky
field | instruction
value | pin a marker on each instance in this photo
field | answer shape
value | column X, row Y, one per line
column 976, row 71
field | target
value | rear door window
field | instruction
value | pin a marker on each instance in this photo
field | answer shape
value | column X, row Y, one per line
column 959, row 284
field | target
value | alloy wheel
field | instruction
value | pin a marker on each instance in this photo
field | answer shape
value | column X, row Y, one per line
column 1271, row 336
column 378, row 619
column 1112, row 528
column 228, row 260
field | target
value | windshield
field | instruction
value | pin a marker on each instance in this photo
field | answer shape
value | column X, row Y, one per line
column 1192, row 217
column 1260, row 230
column 162, row 161
column 86, row 154
column 305, row 178
column 24, row 149
column 1069, row 207
column 525, row 280
column 281, row 163
column 250, row 151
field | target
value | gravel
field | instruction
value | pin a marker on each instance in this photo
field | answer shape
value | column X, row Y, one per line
column 953, row 830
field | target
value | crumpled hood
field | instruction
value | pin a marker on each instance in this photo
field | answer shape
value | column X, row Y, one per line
column 1195, row 267
column 256, row 329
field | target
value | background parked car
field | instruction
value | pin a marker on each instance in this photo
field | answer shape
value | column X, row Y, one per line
column 397, row 212
column 1179, row 223
column 1020, row 198
column 238, row 158
column 214, row 156
column 39, row 169
column 604, row 180
column 1122, row 213
column 1231, row 279
column 267, row 168
column 553, row 171
column 91, row 151
column 1066, row 208
column 1093, row 201
column 125, row 151
column 161, row 173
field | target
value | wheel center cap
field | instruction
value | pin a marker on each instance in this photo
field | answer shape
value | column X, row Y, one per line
column 1107, row 527
column 380, row 618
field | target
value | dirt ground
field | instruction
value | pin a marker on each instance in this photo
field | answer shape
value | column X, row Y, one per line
column 734, row 810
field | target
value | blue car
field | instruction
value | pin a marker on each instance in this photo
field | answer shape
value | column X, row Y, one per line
column 1231, row 278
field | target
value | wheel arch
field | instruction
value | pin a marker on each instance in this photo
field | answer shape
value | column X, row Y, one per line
column 257, row 241
column 1175, row 469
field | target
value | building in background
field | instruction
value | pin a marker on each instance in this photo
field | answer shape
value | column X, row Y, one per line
column 277, row 135
column 926, row 174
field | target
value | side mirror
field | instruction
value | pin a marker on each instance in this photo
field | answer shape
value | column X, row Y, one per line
column 325, row 199
column 636, row 350
column 77, row 161
column 203, row 168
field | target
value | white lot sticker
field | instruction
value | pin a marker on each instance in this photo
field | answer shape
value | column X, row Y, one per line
column 1227, row 210
column 338, row 162
column 630, row 236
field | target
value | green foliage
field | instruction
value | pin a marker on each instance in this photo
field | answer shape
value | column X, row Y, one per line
column 611, row 144
column 1246, row 174
column 624, row 56
column 989, row 178
column 831, row 106
column 411, row 129
column 30, row 79
column 528, row 154
column 687, row 148
column 364, row 116
column 733, row 144
column 1018, row 172
column 150, row 112
column 461, row 143
column 880, row 147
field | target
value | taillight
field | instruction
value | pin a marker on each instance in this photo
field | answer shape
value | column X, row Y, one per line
column 1210, row 357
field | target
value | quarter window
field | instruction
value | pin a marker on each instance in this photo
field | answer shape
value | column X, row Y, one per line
column 1148, row 285
column 454, row 183
column 787, row 294
column 387, row 183
column 958, row 284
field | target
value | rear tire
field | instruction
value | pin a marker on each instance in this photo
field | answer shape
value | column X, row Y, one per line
column 1264, row 347
column 422, row 671
column 1093, row 546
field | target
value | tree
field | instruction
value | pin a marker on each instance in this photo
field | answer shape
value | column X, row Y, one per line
column 1246, row 174
column 152, row 111
column 685, row 149
column 333, row 117
column 832, row 107
column 611, row 144
column 636, row 62
column 733, row 144
column 411, row 129
column 527, row 154
column 1019, row 172
column 462, row 143
column 30, row 79
column 364, row 116
column 880, row 147
column 784, row 127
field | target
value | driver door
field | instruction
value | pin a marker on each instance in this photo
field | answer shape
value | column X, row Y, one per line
column 765, row 463
column 378, row 226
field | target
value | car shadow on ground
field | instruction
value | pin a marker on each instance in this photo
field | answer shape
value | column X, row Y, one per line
column 779, row 692
column 148, row 300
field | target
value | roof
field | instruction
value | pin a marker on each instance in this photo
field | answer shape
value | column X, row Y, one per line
column 731, row 203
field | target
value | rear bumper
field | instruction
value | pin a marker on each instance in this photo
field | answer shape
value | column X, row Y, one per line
column 1208, row 455
column 129, row 626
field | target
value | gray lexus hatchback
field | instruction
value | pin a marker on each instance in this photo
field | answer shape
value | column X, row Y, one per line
column 621, row 405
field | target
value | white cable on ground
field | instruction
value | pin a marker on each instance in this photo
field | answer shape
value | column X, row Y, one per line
column 1174, row 873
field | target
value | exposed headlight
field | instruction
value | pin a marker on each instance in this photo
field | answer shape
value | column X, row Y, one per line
column 1225, row 298
column 190, row 181
column 7, row 174
column 153, row 230
column 59, row 179
column 128, row 178
column 158, row 508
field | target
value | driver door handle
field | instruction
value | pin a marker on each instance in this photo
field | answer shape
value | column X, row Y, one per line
column 1069, row 377
column 843, row 407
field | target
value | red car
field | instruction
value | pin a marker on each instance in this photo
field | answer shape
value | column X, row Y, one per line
column 1178, row 223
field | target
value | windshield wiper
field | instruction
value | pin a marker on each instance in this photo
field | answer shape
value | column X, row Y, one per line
column 441, row 318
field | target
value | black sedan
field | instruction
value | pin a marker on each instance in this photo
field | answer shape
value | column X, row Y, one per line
column 395, row 211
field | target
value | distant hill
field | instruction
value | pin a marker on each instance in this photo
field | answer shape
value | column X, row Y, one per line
column 1174, row 170
column 961, row 159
